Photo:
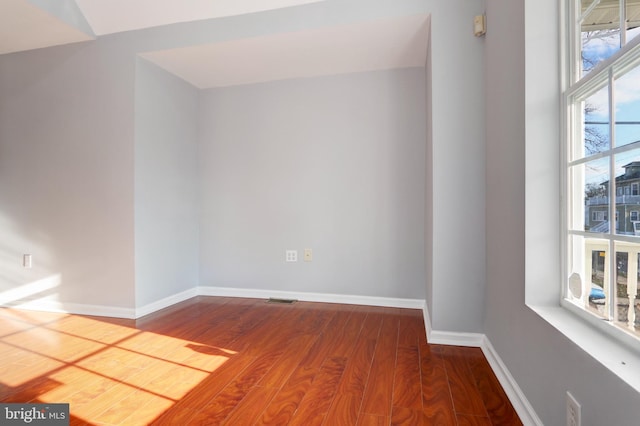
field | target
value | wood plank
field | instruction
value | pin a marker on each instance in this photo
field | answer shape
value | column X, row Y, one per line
column 294, row 352
column 130, row 408
column 402, row 416
column 347, row 334
column 436, row 395
column 327, row 341
column 495, row 399
column 407, row 391
column 100, row 403
column 465, row 394
column 282, row 407
column 317, row 401
column 218, row 408
column 313, row 320
column 358, row 368
column 410, row 325
column 469, row 420
column 191, row 404
column 344, row 410
column 249, row 410
column 264, row 334
column 378, row 393
column 372, row 420
column 31, row 390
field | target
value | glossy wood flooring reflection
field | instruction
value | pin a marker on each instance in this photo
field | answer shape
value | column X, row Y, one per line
column 213, row 360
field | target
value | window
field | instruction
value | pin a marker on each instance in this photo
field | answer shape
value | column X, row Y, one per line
column 602, row 99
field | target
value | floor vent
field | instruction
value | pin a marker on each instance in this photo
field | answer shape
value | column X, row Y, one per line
column 281, row 301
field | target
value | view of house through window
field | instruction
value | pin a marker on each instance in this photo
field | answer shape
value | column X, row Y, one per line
column 603, row 161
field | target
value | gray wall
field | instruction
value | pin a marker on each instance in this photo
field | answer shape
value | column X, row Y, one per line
column 542, row 360
column 66, row 174
column 428, row 196
column 456, row 283
column 335, row 164
column 166, row 185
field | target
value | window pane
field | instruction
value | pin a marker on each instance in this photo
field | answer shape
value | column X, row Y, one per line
column 627, row 101
column 600, row 32
column 626, row 295
column 595, row 178
column 596, row 122
column 627, row 169
column 596, row 298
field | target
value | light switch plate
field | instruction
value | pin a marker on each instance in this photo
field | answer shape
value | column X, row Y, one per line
column 479, row 25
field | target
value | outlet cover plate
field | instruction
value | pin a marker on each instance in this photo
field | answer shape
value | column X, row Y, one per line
column 573, row 411
column 291, row 255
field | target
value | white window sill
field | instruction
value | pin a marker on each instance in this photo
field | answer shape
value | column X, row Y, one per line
column 619, row 358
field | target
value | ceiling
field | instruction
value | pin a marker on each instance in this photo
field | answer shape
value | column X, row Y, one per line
column 33, row 24
column 24, row 26
column 107, row 17
column 391, row 43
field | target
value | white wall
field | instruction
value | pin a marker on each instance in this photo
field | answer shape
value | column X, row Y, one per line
column 335, row 164
column 544, row 362
column 166, row 185
column 66, row 176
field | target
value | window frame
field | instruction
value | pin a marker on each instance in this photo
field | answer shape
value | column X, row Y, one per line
column 576, row 87
column 544, row 137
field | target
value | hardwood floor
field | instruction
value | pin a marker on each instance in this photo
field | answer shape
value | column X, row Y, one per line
column 213, row 360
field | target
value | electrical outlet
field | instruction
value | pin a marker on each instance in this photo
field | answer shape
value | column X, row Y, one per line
column 573, row 411
column 308, row 255
column 291, row 255
column 27, row 261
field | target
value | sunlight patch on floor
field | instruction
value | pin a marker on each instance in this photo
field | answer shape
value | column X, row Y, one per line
column 118, row 373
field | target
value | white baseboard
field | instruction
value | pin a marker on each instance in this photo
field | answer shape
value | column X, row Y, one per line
column 312, row 297
column 516, row 396
column 99, row 310
column 427, row 321
column 166, row 302
column 72, row 308
column 116, row 312
column 454, row 338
